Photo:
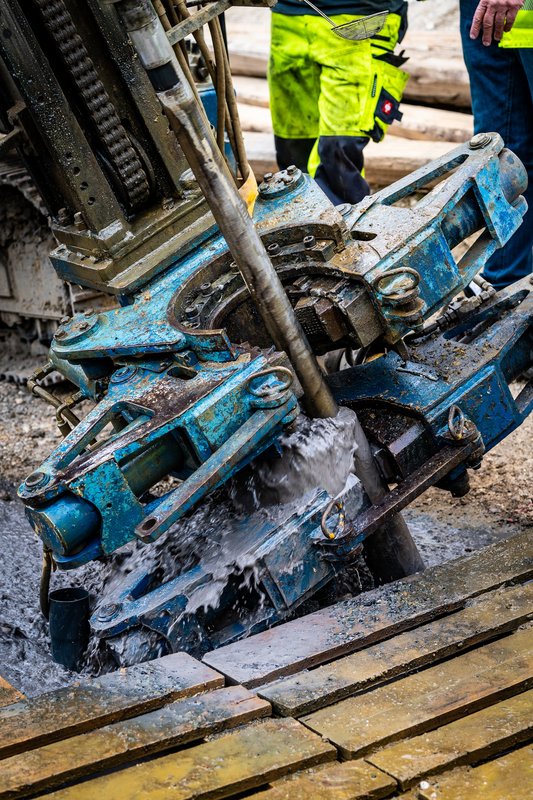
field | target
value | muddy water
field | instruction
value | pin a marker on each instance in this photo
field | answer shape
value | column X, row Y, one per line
column 443, row 529
column 316, row 454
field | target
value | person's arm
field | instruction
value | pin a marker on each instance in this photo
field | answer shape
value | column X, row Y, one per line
column 493, row 17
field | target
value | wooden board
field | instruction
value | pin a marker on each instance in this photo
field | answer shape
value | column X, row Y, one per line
column 437, row 71
column 179, row 723
column 507, row 778
column 118, row 695
column 429, row 698
column 418, row 122
column 354, row 780
column 491, row 615
column 386, row 162
column 235, row 762
column 8, row 693
column 473, row 738
column 374, row 616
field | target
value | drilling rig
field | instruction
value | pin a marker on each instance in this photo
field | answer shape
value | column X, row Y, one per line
column 225, row 294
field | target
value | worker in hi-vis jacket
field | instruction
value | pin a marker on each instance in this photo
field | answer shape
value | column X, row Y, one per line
column 498, row 49
column 330, row 96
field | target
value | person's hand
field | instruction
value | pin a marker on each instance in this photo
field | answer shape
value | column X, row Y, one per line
column 493, row 17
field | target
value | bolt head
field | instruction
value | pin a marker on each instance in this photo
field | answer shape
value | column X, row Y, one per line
column 309, row 241
column 109, row 611
column 36, row 480
column 268, row 176
column 273, row 248
column 480, row 140
column 123, row 374
column 292, row 169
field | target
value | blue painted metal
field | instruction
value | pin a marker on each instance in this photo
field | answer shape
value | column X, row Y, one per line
column 177, row 395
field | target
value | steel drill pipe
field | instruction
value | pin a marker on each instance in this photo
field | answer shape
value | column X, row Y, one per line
column 194, row 134
column 399, row 553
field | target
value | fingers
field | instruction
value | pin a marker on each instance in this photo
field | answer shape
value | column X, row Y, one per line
column 493, row 18
column 477, row 22
column 488, row 27
column 499, row 25
column 510, row 18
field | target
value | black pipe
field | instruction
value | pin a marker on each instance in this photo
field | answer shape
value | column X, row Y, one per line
column 69, row 626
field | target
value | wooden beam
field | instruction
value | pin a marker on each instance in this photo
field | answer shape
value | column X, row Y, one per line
column 492, row 615
column 174, row 725
column 88, row 705
column 235, row 762
column 373, row 616
column 427, row 699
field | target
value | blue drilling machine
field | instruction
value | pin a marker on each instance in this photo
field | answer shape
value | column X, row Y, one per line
column 227, row 298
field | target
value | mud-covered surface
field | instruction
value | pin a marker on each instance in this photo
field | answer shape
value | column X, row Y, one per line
column 499, row 505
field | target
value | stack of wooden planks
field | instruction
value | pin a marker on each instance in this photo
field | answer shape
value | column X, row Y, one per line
column 436, row 108
column 421, row 689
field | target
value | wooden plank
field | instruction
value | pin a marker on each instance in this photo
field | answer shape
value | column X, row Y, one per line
column 436, row 124
column 490, row 616
column 468, row 740
column 438, row 75
column 118, row 695
column 252, row 91
column 429, row 698
column 8, row 693
column 418, row 122
column 373, row 616
column 507, row 778
column 255, row 118
column 354, row 780
column 386, row 162
column 179, row 723
column 241, row 760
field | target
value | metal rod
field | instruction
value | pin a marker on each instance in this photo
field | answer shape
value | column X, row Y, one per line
column 264, row 285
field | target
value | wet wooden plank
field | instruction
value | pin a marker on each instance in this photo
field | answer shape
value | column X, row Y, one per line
column 118, row 695
column 471, row 739
column 8, row 693
column 507, row 778
column 429, row 698
column 179, row 723
column 373, row 616
column 244, row 759
column 354, row 780
column 487, row 617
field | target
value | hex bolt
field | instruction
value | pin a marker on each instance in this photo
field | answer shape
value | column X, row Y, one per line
column 480, row 140
column 109, row 611
column 88, row 312
column 191, row 312
column 123, row 374
column 79, row 223
column 309, row 241
column 273, row 248
column 36, row 479
column 286, row 179
column 61, row 333
column 64, row 320
column 206, row 289
column 268, row 176
column 292, row 169
column 83, row 326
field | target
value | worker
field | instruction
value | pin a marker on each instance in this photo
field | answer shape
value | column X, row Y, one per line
column 330, row 96
column 501, row 80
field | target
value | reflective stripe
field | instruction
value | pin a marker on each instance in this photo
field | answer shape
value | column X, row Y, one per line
column 521, row 35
